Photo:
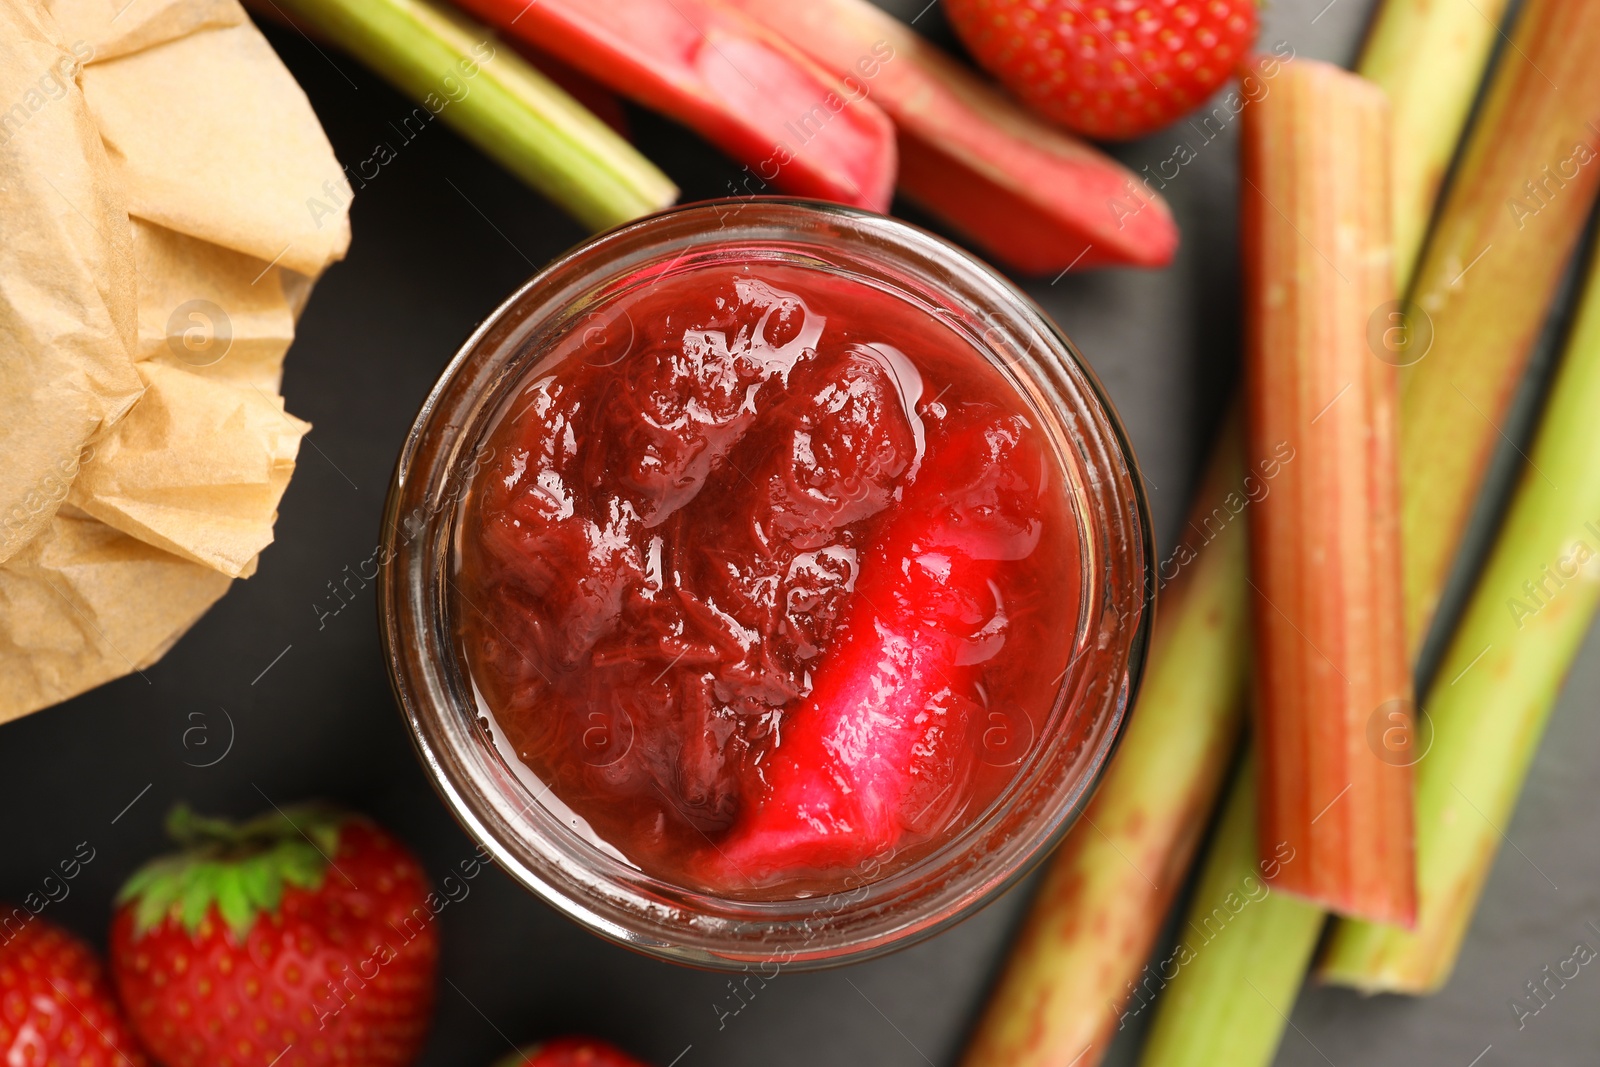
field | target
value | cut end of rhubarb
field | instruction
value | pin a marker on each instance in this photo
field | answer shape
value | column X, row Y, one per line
column 1035, row 198
column 1094, row 215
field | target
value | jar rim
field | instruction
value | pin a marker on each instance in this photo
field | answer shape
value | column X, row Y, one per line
column 617, row 900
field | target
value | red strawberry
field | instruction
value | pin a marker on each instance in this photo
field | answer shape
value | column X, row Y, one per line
column 300, row 939
column 56, row 1008
column 571, row 1052
column 1111, row 69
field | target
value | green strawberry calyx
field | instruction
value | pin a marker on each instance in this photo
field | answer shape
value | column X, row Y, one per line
column 241, row 868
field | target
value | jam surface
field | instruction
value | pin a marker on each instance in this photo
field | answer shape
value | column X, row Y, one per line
column 769, row 576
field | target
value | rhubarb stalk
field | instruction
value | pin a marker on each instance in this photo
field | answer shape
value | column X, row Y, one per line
column 722, row 74
column 1498, row 681
column 1226, row 995
column 1241, row 937
column 1325, row 546
column 454, row 69
column 1031, row 195
column 1053, row 991
column 1506, row 233
column 1429, row 58
column 1101, row 903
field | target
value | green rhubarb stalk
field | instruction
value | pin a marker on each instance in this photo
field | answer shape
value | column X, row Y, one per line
column 1429, row 58
column 457, row 70
column 1506, row 232
column 1500, row 678
column 1241, row 937
column 1100, row 907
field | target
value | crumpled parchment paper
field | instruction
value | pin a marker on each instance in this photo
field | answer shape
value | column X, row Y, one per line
column 163, row 213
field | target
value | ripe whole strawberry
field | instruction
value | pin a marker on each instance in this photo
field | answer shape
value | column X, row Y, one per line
column 56, row 1007
column 571, row 1052
column 1110, row 69
column 299, row 939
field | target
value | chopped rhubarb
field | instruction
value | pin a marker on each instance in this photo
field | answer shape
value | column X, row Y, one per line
column 881, row 746
column 1430, row 57
column 753, row 558
column 1324, row 544
column 1036, row 198
column 724, row 76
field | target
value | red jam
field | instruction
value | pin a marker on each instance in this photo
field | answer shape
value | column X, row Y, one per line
column 767, row 575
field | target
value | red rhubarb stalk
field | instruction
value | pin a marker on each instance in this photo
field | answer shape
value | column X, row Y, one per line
column 1317, row 247
column 723, row 75
column 1037, row 198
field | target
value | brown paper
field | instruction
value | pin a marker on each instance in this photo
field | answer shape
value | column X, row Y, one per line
column 85, row 604
column 114, row 28
column 196, row 468
column 66, row 278
column 158, row 248
column 213, row 138
column 178, row 276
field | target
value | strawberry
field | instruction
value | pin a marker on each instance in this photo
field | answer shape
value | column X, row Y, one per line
column 571, row 1052
column 56, row 1007
column 1111, row 69
column 301, row 938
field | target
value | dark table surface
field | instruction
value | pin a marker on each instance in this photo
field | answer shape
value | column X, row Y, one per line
column 441, row 236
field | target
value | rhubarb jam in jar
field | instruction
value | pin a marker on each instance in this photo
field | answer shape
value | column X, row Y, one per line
column 766, row 581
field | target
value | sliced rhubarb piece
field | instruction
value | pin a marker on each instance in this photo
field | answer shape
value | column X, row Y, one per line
column 1031, row 195
column 1092, row 929
column 883, row 738
column 1375, row 956
column 724, row 76
column 1317, row 243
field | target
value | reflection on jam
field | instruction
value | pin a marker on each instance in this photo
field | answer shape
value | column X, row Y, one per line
column 767, row 576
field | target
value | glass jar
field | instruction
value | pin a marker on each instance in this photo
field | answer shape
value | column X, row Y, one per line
column 874, row 909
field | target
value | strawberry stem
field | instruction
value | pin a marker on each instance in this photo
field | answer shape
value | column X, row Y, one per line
column 241, row 869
